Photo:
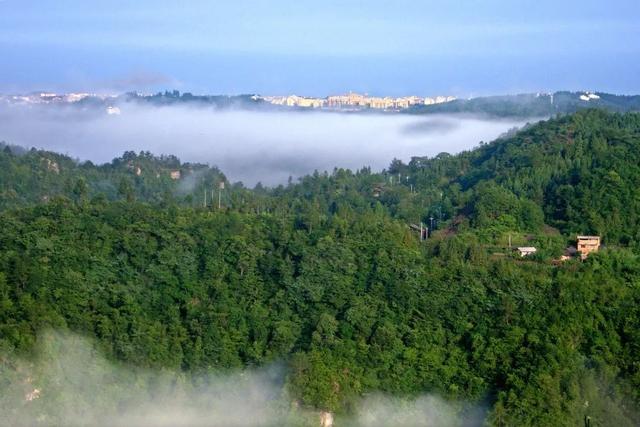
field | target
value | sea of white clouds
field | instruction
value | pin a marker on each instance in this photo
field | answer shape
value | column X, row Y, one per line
column 248, row 146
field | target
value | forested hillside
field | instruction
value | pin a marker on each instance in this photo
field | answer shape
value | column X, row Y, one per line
column 533, row 104
column 579, row 173
column 325, row 275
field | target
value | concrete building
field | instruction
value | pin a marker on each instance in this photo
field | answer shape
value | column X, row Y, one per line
column 296, row 101
column 587, row 244
column 526, row 250
column 588, row 96
column 75, row 97
column 355, row 101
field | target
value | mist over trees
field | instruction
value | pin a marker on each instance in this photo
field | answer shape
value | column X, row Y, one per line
column 325, row 275
column 248, row 145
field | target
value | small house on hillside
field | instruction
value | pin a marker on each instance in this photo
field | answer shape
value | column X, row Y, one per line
column 526, row 250
column 587, row 244
column 175, row 174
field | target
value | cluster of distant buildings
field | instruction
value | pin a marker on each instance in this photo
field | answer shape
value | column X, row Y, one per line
column 355, row 101
column 351, row 100
column 51, row 98
column 584, row 246
column 57, row 98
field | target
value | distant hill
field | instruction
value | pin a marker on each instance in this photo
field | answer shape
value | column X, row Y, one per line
column 175, row 97
column 36, row 176
column 527, row 105
column 578, row 172
column 533, row 105
column 520, row 105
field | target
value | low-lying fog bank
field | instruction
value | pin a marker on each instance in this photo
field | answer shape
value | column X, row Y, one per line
column 70, row 383
column 248, row 146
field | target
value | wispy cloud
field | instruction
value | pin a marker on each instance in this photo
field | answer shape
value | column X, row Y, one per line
column 70, row 383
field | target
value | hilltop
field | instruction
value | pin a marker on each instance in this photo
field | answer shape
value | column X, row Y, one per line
column 534, row 104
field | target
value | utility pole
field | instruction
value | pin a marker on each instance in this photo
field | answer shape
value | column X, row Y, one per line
column 431, row 224
column 205, row 198
column 220, row 188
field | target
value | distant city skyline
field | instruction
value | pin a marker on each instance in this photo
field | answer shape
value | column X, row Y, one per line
column 382, row 48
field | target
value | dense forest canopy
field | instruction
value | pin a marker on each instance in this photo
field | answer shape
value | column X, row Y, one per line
column 168, row 265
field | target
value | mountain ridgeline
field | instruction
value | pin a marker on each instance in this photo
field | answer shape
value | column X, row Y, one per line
column 166, row 268
column 523, row 105
column 533, row 104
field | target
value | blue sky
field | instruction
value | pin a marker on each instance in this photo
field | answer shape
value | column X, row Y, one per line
column 390, row 47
